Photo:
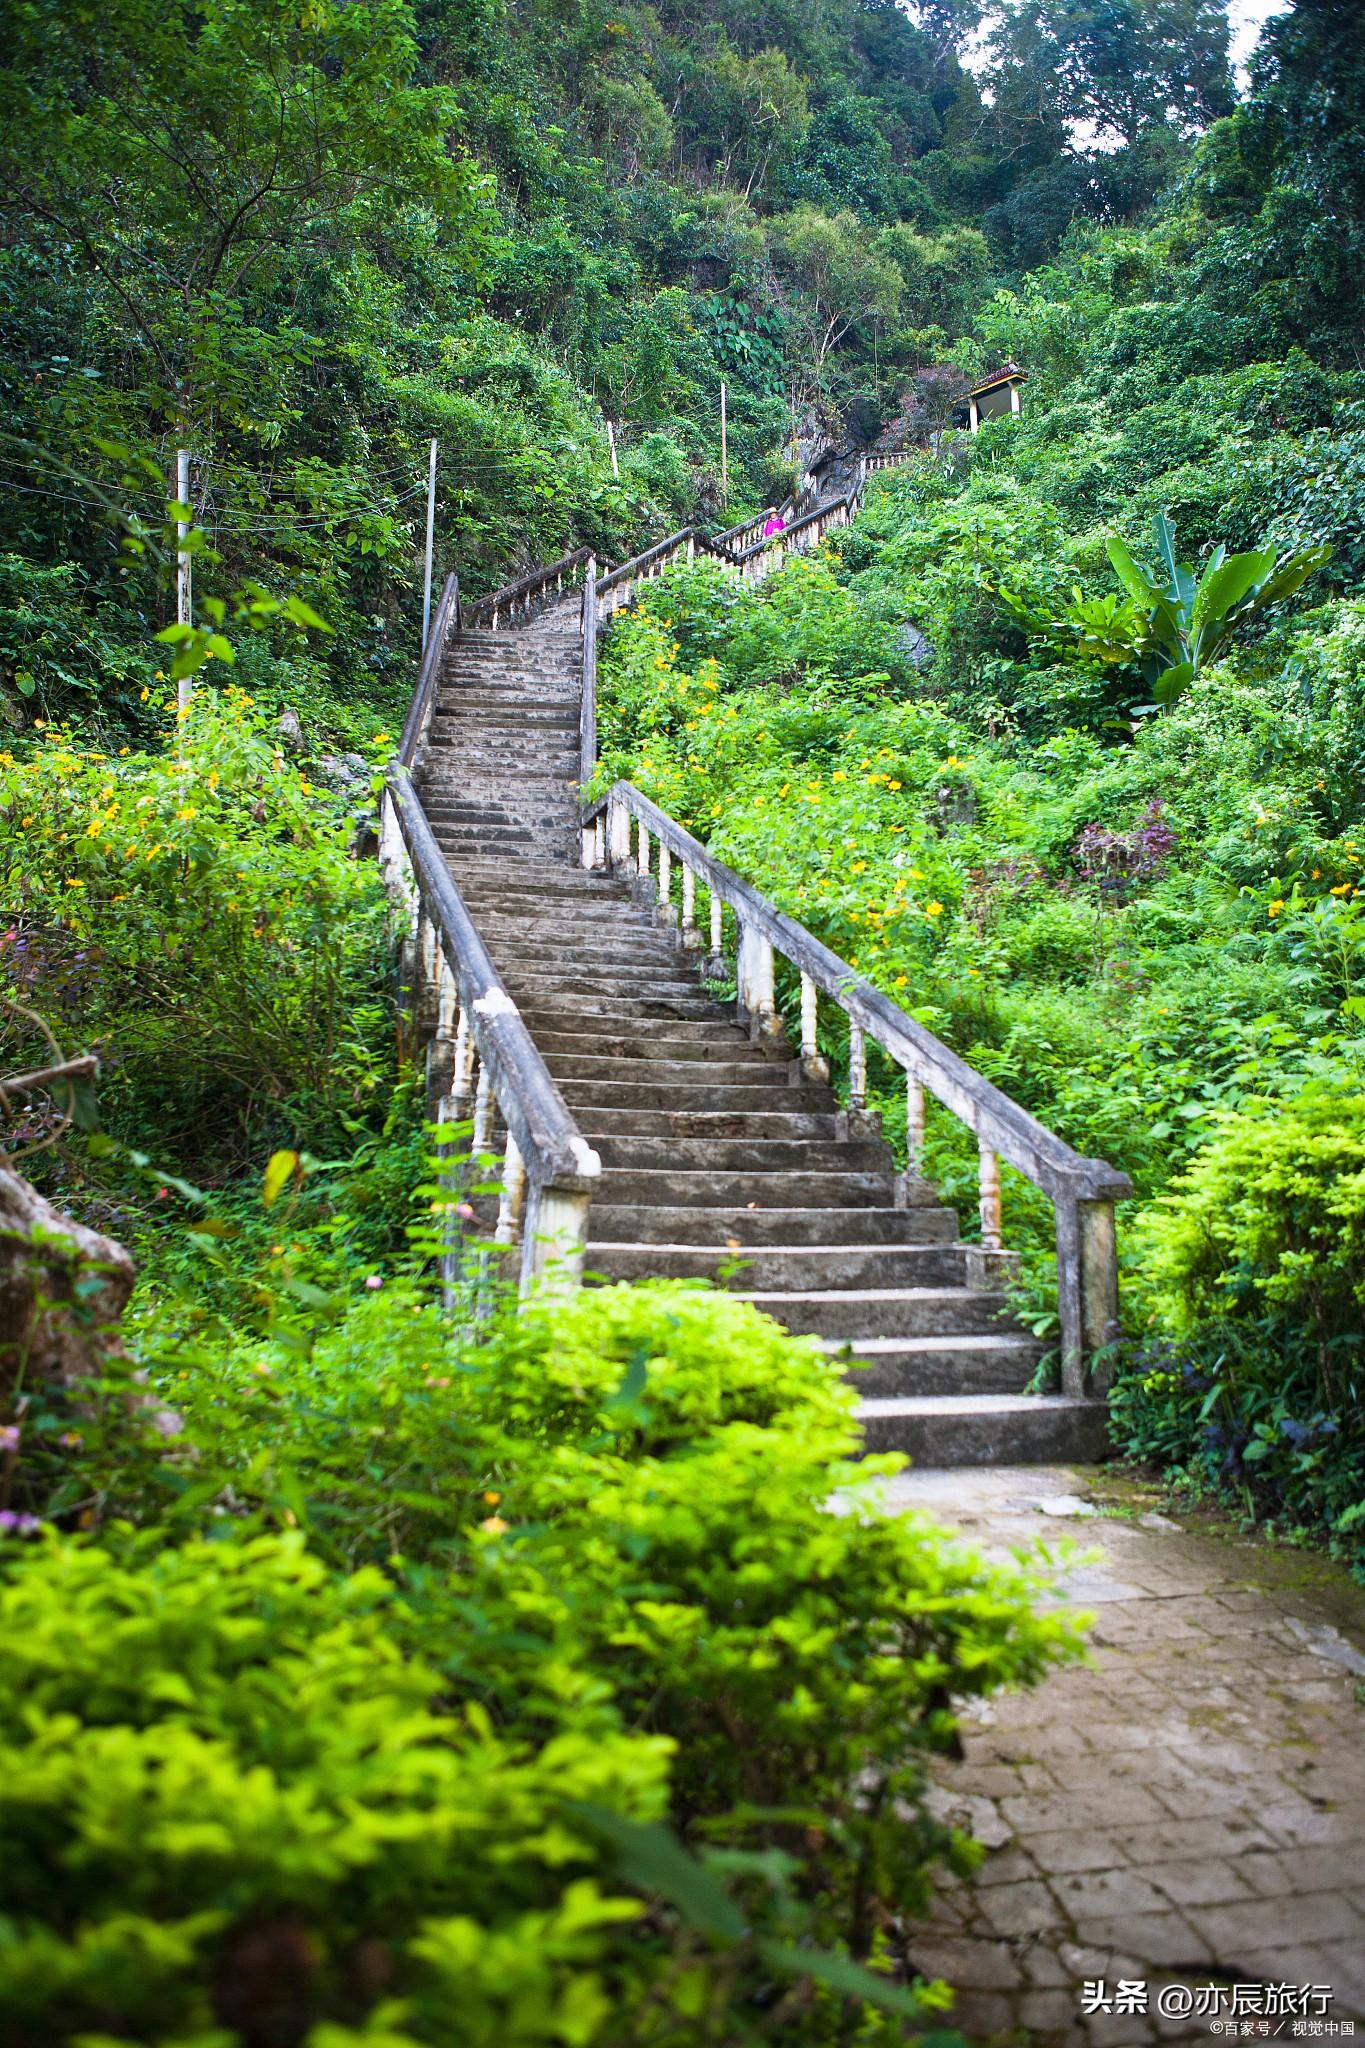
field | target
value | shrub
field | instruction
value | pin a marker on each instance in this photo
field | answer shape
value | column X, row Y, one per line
column 202, row 922
column 587, row 1561
column 1255, row 1265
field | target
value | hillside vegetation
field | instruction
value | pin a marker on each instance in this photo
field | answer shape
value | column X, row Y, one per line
column 1144, row 919
column 376, row 1672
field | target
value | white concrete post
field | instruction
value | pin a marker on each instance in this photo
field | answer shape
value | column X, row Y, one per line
column 989, row 1173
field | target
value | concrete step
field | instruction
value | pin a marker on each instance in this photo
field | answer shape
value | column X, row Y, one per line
column 537, row 990
column 718, row 1229
column 674, row 1012
column 754, row 1071
column 880, row 1369
column 703, row 1123
column 872, row 1316
column 657, row 1187
column 746, row 1155
column 774, row 1266
column 716, row 1050
column 987, row 1429
column 684, row 1098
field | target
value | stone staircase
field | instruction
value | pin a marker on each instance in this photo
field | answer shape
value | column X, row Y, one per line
column 721, row 1159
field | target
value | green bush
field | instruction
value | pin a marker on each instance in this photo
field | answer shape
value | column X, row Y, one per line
column 1252, row 1273
column 403, row 1618
column 201, row 919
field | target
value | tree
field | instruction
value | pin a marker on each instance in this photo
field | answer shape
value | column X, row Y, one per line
column 836, row 277
column 190, row 155
column 1118, row 69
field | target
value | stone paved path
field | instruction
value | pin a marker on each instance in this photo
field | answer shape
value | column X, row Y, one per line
column 1189, row 1808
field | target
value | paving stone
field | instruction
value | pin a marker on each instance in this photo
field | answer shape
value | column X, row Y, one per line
column 1202, row 1884
column 1257, row 1928
column 1100, row 1894
column 1027, row 1908
column 1209, row 1817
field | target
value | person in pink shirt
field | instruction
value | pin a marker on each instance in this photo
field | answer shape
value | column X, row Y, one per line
column 775, row 523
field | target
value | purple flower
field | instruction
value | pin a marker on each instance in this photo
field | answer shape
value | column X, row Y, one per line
column 12, row 1524
column 10, row 1433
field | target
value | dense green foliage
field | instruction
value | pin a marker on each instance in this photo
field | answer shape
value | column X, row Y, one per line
column 375, row 1674
column 389, row 1662
column 1146, row 923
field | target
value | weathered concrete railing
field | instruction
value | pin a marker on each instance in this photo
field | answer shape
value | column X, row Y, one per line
column 769, row 552
column 418, row 720
column 482, row 1060
column 748, row 530
column 515, row 602
column 1082, row 1191
column 873, row 463
column 618, row 587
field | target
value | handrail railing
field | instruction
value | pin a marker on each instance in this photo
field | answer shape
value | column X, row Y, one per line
column 768, row 553
column 730, row 535
column 617, row 588
column 517, row 600
column 1083, row 1191
column 418, row 720
column 482, row 1059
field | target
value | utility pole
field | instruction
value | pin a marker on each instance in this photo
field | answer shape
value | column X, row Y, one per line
column 611, row 443
column 724, row 449
column 184, row 603
column 431, row 536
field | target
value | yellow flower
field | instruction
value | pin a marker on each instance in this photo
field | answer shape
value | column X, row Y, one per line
column 187, row 811
column 144, row 693
column 26, row 821
column 73, row 882
column 838, row 776
column 1342, row 889
column 933, row 910
column 900, row 981
column 757, row 801
column 893, row 785
column 214, row 778
column 859, row 866
column 1274, row 909
column 785, row 787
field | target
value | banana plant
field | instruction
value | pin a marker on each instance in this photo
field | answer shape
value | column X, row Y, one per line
column 1187, row 620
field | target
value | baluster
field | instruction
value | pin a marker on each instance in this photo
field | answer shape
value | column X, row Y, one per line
column 512, row 1197
column 756, row 997
column 717, row 928
column 642, row 856
column 689, row 906
column 813, row 1066
column 462, row 1070
column 618, row 833
column 857, row 1066
column 809, row 999
column 665, row 883
column 482, row 1140
column 599, row 840
column 990, row 1199
column 914, row 1127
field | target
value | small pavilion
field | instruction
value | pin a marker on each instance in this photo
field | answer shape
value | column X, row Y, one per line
column 996, row 394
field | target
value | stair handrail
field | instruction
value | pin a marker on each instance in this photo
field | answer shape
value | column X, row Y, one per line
column 616, row 588
column 728, row 535
column 482, row 1057
column 768, row 553
column 517, row 599
column 418, row 721
column 1082, row 1191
